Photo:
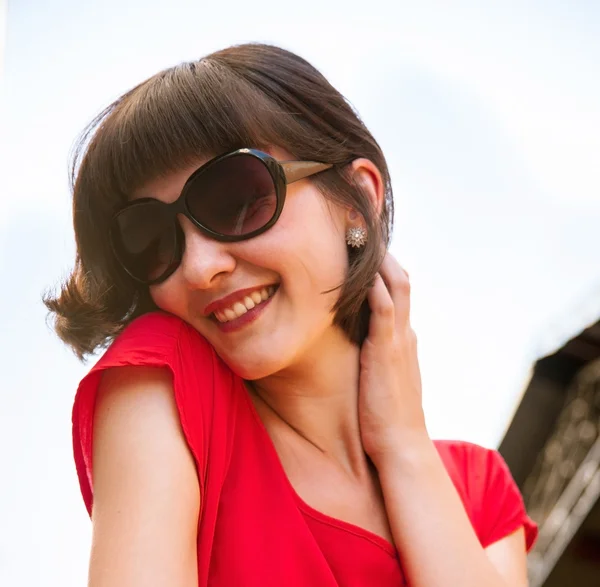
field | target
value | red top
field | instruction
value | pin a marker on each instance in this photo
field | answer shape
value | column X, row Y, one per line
column 254, row 529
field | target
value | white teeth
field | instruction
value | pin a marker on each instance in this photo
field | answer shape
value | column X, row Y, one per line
column 240, row 308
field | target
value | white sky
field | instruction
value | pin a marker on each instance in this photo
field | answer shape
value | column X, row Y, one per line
column 489, row 115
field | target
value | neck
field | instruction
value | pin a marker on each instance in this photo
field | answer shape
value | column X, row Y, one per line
column 317, row 398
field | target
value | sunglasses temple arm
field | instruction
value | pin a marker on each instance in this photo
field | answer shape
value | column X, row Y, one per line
column 296, row 170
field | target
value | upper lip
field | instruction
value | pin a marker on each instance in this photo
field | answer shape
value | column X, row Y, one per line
column 228, row 300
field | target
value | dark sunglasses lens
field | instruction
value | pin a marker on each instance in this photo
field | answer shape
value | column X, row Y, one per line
column 233, row 197
column 144, row 239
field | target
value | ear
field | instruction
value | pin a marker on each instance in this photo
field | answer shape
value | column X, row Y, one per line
column 365, row 173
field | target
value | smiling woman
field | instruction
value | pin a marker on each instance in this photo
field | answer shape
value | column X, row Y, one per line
column 257, row 416
column 247, row 96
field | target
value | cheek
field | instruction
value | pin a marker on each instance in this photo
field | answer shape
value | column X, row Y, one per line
column 170, row 297
column 316, row 240
column 309, row 253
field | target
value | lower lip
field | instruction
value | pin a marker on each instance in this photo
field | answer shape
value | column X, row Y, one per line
column 244, row 319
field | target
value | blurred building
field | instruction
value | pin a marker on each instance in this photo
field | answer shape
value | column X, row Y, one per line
column 552, row 447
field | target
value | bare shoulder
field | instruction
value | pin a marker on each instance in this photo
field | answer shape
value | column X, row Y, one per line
column 146, row 492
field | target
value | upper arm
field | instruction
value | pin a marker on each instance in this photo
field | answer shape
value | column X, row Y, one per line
column 509, row 557
column 146, row 492
column 498, row 512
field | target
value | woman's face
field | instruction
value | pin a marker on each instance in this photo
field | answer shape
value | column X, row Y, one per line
column 292, row 264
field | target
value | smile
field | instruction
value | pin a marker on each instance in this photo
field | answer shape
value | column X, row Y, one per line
column 244, row 305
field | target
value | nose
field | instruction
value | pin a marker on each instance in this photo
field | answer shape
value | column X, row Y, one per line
column 204, row 260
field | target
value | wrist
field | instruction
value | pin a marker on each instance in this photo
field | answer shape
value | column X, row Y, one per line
column 407, row 451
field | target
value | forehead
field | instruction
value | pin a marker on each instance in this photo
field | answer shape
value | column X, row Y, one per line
column 168, row 187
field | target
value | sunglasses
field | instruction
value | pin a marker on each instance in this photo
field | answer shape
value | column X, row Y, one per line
column 233, row 197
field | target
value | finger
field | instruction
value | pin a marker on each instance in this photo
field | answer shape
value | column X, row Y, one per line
column 398, row 285
column 382, row 323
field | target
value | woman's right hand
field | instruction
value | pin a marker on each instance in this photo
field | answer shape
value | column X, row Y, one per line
column 146, row 493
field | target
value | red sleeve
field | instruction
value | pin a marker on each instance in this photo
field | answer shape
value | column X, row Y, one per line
column 489, row 492
column 159, row 340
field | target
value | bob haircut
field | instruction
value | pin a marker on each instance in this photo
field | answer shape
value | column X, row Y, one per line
column 250, row 95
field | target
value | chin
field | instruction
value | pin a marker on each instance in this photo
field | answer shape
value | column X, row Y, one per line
column 251, row 372
column 252, row 368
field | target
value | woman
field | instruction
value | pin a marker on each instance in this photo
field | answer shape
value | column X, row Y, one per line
column 257, row 419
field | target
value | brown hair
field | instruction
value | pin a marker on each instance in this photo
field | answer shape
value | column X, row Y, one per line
column 249, row 95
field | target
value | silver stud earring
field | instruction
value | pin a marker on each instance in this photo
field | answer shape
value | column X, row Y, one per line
column 356, row 236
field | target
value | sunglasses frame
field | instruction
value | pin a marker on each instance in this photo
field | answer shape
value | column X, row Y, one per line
column 282, row 173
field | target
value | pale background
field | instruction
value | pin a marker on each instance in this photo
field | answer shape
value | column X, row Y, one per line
column 489, row 113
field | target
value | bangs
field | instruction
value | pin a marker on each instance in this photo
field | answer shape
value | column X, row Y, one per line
column 191, row 111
